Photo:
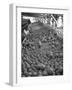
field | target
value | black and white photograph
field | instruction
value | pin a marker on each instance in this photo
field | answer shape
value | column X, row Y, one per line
column 41, row 44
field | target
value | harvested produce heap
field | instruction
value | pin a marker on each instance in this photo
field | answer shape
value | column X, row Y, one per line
column 42, row 51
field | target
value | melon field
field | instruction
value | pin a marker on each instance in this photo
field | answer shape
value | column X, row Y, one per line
column 41, row 51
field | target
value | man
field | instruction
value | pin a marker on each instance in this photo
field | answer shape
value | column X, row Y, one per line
column 59, row 22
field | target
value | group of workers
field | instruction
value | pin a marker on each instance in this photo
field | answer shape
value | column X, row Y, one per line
column 55, row 23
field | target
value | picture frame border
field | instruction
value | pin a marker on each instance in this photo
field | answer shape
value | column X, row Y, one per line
column 13, row 77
